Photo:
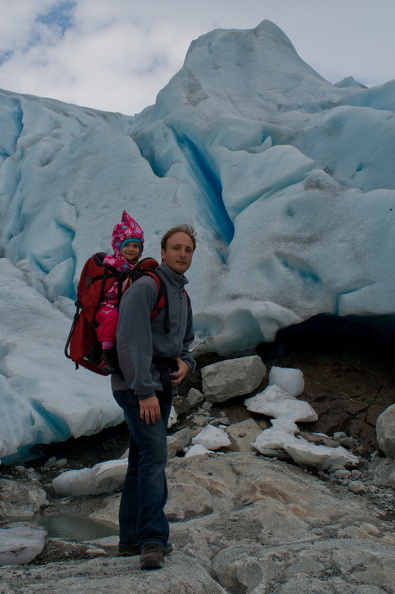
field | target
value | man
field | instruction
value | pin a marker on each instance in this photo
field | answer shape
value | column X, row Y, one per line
column 146, row 349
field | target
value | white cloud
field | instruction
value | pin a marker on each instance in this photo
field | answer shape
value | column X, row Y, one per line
column 117, row 55
column 17, row 22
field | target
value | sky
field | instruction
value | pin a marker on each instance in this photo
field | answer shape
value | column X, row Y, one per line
column 116, row 55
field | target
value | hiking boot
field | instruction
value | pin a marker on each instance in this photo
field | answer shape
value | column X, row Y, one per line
column 107, row 361
column 135, row 549
column 151, row 556
column 129, row 550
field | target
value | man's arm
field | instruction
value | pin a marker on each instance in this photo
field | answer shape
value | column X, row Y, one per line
column 186, row 363
column 189, row 336
column 134, row 336
column 134, row 327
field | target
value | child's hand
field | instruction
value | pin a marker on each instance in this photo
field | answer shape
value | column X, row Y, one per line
column 178, row 376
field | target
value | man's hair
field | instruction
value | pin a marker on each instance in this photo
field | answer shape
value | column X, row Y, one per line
column 179, row 229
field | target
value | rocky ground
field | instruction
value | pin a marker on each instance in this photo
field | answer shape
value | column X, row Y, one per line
column 348, row 384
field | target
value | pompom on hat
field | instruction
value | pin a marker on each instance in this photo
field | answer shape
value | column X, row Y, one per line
column 127, row 230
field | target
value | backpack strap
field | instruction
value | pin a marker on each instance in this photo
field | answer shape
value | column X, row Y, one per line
column 106, row 274
column 161, row 300
column 165, row 367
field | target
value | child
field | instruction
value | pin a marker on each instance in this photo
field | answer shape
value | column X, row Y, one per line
column 128, row 244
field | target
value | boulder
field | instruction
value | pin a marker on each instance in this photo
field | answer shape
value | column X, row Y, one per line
column 384, row 473
column 234, row 377
column 178, row 441
column 20, row 499
column 385, row 431
column 360, row 567
column 243, row 434
column 195, row 398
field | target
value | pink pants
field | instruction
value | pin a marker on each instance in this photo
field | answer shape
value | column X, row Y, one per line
column 107, row 319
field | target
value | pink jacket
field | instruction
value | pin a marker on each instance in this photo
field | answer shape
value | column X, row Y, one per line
column 128, row 228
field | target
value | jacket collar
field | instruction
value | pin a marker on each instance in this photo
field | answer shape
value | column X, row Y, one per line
column 173, row 277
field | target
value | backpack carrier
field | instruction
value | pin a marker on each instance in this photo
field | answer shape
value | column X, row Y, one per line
column 82, row 345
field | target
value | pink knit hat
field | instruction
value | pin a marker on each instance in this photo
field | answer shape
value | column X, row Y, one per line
column 128, row 229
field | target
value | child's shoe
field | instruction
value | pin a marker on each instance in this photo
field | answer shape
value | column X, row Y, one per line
column 107, row 361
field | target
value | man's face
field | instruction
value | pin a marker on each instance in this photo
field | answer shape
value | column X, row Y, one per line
column 178, row 253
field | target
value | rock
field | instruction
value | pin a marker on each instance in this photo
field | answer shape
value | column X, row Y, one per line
column 20, row 499
column 20, row 544
column 221, row 421
column 240, row 572
column 200, row 420
column 319, row 439
column 106, row 511
column 234, row 377
column 178, row 441
column 335, row 467
column 239, row 523
column 233, row 482
column 290, row 380
column 366, row 531
column 181, row 573
column 62, row 463
column 339, row 435
column 212, row 438
column 342, row 474
column 21, row 469
column 384, row 474
column 347, row 442
column 50, row 463
column 195, row 398
column 356, row 487
column 33, row 475
column 181, row 405
column 360, row 566
column 243, row 434
column 303, row 583
column 385, row 431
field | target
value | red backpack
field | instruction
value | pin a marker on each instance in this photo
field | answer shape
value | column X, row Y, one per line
column 82, row 345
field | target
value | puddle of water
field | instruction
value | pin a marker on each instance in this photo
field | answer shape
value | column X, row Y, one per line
column 75, row 529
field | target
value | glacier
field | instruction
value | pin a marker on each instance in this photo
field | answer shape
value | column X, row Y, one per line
column 288, row 179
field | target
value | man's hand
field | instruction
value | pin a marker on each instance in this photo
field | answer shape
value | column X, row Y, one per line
column 150, row 410
column 178, row 376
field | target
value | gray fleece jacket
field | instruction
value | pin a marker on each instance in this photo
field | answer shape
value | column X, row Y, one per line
column 139, row 338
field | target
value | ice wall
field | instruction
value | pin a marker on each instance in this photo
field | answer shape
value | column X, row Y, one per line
column 288, row 179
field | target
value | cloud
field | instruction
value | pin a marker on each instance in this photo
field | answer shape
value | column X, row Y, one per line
column 108, row 59
column 17, row 21
column 117, row 55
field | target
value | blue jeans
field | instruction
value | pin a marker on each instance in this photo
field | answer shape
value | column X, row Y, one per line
column 144, row 495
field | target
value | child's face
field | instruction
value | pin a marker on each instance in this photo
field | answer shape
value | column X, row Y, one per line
column 131, row 251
